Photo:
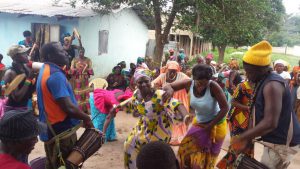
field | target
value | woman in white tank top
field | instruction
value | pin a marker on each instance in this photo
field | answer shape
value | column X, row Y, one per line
column 202, row 144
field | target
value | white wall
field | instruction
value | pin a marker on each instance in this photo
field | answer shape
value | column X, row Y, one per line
column 12, row 27
column 126, row 41
column 289, row 50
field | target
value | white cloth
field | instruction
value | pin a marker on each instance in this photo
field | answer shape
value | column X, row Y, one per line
column 284, row 75
column 278, row 159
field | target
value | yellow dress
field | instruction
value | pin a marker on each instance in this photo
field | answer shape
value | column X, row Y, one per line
column 154, row 124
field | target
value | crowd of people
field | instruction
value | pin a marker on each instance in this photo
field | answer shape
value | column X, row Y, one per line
column 174, row 105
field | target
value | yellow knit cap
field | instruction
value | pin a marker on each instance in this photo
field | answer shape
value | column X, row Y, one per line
column 259, row 54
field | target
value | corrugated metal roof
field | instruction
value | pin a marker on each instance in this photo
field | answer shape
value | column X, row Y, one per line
column 45, row 8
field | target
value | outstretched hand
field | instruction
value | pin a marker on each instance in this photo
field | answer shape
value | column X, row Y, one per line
column 169, row 91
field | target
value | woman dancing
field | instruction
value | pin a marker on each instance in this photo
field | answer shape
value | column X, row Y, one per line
column 173, row 74
column 155, row 117
column 201, row 146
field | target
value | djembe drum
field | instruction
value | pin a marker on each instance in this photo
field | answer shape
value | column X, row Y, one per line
column 245, row 162
column 89, row 142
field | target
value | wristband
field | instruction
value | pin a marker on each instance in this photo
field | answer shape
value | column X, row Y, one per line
column 28, row 82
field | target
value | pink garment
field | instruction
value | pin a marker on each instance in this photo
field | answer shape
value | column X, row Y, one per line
column 226, row 73
column 128, row 94
column 2, row 106
column 105, row 99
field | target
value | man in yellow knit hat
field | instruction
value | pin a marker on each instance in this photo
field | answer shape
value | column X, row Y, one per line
column 275, row 121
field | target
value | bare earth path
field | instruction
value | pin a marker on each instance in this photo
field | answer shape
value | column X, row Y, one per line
column 110, row 156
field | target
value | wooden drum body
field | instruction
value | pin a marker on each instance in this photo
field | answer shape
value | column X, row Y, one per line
column 89, row 142
column 245, row 162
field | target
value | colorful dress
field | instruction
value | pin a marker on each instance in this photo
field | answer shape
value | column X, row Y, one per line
column 154, row 124
column 238, row 121
column 200, row 149
column 179, row 129
column 99, row 115
column 81, row 70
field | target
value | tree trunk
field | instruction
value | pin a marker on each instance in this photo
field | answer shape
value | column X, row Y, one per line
column 159, row 49
column 213, row 47
column 221, row 50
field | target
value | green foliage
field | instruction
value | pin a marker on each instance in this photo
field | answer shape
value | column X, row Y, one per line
column 233, row 22
column 292, row 60
column 289, row 34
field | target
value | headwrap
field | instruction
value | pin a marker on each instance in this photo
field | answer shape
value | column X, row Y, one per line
column 122, row 63
column 279, row 61
column 234, row 64
column 259, row 54
column 142, row 73
column 171, row 50
column 140, row 60
column 142, row 66
column 173, row 65
column 18, row 125
column 209, row 56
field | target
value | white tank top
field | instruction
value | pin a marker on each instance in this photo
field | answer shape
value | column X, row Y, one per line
column 206, row 107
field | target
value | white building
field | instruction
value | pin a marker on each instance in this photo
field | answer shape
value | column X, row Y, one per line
column 107, row 39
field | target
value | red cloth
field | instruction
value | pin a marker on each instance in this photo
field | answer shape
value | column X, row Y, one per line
column 2, row 66
column 8, row 162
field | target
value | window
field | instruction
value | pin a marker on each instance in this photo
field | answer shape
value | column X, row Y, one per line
column 44, row 33
column 103, row 42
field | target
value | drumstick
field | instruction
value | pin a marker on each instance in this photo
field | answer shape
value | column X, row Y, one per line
column 120, row 105
column 123, row 103
column 86, row 65
column 32, row 49
column 76, row 33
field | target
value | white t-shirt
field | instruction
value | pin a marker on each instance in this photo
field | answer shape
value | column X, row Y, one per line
column 284, row 75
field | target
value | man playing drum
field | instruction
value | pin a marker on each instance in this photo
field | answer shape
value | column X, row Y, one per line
column 274, row 119
column 57, row 106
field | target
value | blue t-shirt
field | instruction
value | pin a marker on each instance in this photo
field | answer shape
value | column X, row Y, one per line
column 59, row 87
column 23, row 42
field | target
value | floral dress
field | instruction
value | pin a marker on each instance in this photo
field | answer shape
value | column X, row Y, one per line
column 154, row 124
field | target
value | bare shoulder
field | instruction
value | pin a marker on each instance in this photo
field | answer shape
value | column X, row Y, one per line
column 214, row 85
column 9, row 75
column 274, row 86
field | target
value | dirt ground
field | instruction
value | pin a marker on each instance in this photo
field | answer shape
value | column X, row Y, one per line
column 110, row 154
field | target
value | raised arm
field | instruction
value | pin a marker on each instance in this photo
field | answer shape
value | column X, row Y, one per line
column 18, row 94
column 175, row 86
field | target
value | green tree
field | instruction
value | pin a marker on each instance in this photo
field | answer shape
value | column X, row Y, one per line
column 163, row 12
column 233, row 22
column 289, row 34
